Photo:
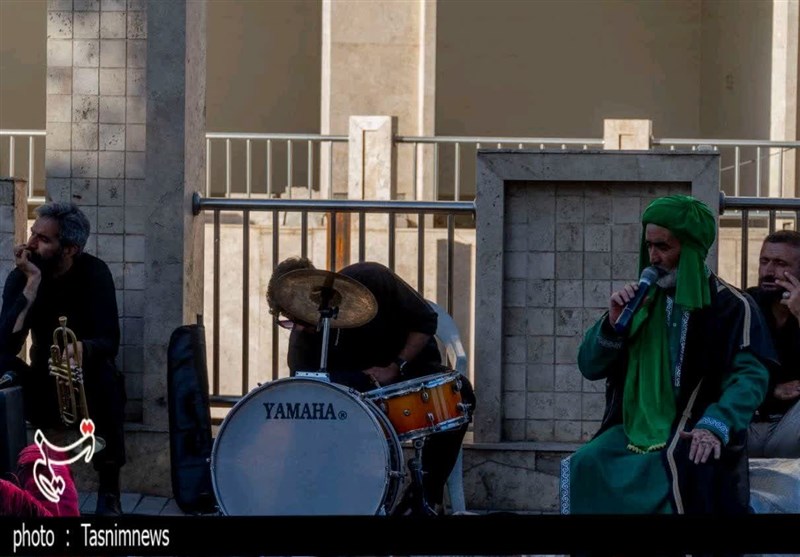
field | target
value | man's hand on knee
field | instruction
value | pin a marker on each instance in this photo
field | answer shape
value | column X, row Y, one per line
column 704, row 444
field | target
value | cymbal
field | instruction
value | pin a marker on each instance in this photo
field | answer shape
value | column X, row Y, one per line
column 299, row 293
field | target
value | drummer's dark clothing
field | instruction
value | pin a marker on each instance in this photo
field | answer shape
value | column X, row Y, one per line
column 401, row 310
column 85, row 295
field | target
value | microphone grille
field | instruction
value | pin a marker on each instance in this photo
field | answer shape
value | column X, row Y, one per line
column 651, row 274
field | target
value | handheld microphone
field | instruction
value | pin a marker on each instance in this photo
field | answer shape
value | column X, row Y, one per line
column 7, row 379
column 649, row 276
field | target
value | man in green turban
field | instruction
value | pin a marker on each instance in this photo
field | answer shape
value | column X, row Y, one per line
column 683, row 380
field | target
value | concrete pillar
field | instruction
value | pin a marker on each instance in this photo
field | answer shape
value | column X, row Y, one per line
column 95, row 146
column 372, row 162
column 176, row 85
column 627, row 134
column 783, row 105
column 366, row 43
column 13, row 221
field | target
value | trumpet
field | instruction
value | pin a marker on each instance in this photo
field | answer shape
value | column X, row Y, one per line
column 69, row 377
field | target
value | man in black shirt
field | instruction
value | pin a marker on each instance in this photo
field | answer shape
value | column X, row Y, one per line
column 397, row 344
column 54, row 277
column 775, row 430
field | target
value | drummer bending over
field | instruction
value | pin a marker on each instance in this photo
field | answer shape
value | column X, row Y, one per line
column 397, row 344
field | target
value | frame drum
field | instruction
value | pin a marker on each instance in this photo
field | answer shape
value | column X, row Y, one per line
column 305, row 446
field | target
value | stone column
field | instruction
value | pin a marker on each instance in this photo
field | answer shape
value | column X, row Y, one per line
column 176, row 71
column 95, row 146
column 627, row 134
column 783, row 102
column 365, row 43
column 13, row 222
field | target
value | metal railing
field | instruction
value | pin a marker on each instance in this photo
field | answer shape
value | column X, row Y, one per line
column 440, row 166
column 265, row 143
column 10, row 164
column 771, row 151
column 332, row 208
column 787, row 209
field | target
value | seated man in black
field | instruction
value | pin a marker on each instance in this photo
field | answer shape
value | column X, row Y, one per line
column 54, row 277
column 775, row 430
column 395, row 345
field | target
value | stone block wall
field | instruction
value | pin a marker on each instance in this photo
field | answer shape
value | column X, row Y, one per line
column 95, row 154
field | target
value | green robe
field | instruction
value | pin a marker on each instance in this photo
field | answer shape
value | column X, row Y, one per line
column 604, row 476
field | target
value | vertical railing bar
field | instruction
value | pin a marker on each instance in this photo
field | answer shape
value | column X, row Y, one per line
column 310, row 168
column 421, row 253
column 215, row 303
column 362, row 236
column 736, row 157
column 30, row 165
column 11, row 156
column 304, row 233
column 227, row 168
column 436, row 171
column 330, row 170
column 758, row 171
column 745, row 241
column 392, row 242
column 245, row 301
column 414, row 171
column 332, row 226
column 275, row 255
column 289, row 177
column 450, row 255
column 208, row 167
column 457, row 173
column 249, row 159
column 268, row 170
column 781, row 150
column 772, row 220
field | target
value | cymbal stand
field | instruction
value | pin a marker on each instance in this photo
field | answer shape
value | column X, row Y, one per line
column 418, row 502
column 326, row 314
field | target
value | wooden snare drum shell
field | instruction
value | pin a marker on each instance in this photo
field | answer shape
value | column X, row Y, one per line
column 421, row 406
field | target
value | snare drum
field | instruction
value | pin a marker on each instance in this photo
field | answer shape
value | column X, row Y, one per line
column 419, row 407
column 303, row 446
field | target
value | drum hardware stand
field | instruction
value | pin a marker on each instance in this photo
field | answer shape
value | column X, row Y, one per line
column 325, row 315
column 417, row 495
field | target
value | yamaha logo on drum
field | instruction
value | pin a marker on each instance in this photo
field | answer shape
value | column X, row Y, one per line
column 302, row 411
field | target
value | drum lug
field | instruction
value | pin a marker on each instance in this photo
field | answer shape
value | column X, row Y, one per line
column 430, row 417
column 406, row 412
column 383, row 407
column 425, row 396
column 457, row 385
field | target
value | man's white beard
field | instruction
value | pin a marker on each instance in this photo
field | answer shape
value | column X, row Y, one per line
column 669, row 280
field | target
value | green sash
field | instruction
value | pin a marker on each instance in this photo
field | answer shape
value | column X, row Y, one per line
column 648, row 407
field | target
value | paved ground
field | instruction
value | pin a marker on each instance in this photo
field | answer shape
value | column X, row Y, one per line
column 136, row 504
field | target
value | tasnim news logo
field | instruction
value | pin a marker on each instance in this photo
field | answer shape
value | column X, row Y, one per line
column 50, row 484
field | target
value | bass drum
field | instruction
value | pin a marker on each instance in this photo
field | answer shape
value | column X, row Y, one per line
column 305, row 446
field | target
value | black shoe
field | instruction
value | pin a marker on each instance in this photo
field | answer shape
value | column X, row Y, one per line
column 108, row 505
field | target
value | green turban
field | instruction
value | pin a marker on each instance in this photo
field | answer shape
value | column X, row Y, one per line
column 693, row 223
